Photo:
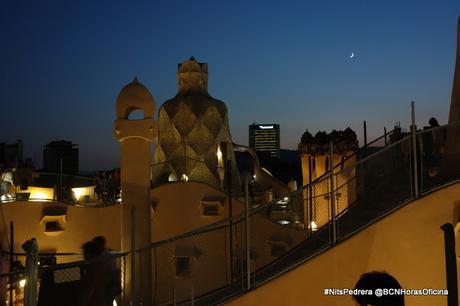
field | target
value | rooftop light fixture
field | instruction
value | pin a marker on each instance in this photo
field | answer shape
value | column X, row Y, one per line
column 284, row 222
column 284, row 201
column 172, row 177
column 313, row 226
column 39, row 196
column 219, row 153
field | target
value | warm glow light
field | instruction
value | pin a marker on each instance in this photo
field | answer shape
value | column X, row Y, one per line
column 220, row 162
column 40, row 193
column 284, row 201
column 78, row 192
column 313, row 226
column 22, row 283
column 284, row 222
column 39, row 196
column 81, row 192
column 172, row 177
column 184, row 178
column 115, row 303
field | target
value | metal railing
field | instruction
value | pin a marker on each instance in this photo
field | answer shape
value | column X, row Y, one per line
column 12, row 288
column 206, row 266
column 198, row 268
column 61, row 278
column 192, row 169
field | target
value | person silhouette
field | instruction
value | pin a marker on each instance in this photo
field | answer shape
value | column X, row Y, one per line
column 378, row 280
column 96, row 278
column 433, row 122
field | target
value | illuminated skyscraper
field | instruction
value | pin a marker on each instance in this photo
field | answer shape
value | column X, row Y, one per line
column 265, row 139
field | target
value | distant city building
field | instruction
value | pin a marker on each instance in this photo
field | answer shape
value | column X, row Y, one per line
column 57, row 151
column 265, row 138
column 11, row 154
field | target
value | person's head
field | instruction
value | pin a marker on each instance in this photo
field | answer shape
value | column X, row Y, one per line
column 378, row 280
column 100, row 243
column 89, row 250
column 433, row 122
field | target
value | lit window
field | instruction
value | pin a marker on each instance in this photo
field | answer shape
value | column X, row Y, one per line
column 53, row 225
column 212, row 205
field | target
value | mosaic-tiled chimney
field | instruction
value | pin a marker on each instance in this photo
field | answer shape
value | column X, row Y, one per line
column 194, row 141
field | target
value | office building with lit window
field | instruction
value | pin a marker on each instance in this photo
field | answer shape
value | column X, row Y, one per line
column 265, row 139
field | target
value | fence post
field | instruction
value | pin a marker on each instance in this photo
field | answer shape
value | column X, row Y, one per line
column 31, row 272
column 230, row 215
column 332, row 193
column 61, row 188
column 10, row 278
column 133, row 257
column 310, row 196
column 193, row 297
column 414, row 151
column 385, row 135
column 451, row 264
column 248, row 251
column 365, row 136
column 123, row 294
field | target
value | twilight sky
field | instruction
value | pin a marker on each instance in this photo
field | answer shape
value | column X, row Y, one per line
column 62, row 64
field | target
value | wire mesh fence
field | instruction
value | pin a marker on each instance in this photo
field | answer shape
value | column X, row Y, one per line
column 47, row 259
column 63, row 278
column 72, row 282
column 438, row 156
column 222, row 260
column 184, row 269
column 12, row 288
column 381, row 183
column 211, row 264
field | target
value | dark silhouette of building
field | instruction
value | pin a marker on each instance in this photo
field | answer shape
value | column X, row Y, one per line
column 11, row 154
column 59, row 154
column 265, row 139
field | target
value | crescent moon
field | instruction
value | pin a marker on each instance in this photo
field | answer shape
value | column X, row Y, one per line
column 352, row 55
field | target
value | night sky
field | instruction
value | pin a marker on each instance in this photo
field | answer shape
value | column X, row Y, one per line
column 288, row 62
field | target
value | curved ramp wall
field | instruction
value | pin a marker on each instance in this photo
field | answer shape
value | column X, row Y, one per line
column 408, row 244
